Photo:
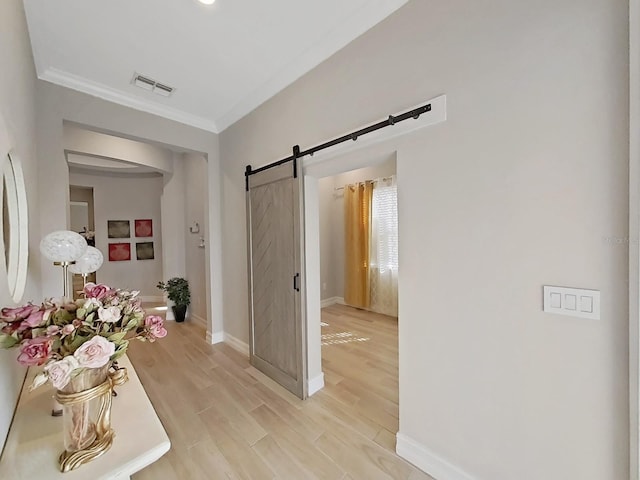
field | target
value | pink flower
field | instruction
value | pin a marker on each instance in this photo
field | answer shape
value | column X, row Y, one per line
column 155, row 326
column 91, row 290
column 60, row 372
column 9, row 315
column 9, row 328
column 33, row 320
column 68, row 329
column 35, row 351
column 95, row 353
column 53, row 330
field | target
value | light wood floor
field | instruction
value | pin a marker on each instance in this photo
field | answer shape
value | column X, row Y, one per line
column 228, row 421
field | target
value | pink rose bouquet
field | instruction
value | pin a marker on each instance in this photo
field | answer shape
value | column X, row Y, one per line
column 155, row 327
column 67, row 336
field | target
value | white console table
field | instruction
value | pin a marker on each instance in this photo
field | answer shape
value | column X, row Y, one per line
column 35, row 438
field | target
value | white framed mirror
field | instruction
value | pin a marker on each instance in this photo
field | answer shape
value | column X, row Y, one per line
column 15, row 225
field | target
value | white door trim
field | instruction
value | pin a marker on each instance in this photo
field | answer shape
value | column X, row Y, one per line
column 332, row 161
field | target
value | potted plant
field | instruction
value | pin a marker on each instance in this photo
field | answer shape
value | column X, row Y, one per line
column 177, row 289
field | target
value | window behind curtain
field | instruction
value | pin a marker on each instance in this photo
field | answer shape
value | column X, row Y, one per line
column 384, row 248
column 383, row 274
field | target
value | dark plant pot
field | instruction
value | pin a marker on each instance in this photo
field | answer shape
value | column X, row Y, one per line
column 179, row 312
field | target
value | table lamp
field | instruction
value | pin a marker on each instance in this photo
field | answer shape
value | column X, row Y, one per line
column 87, row 263
column 63, row 248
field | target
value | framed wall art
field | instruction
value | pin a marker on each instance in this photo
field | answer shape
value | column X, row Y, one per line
column 144, row 228
column 119, row 252
column 144, row 251
column 118, row 229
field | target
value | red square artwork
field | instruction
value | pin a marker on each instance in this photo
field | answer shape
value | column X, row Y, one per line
column 119, row 252
column 144, row 228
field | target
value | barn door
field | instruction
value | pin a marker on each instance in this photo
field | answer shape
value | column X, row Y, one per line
column 276, row 287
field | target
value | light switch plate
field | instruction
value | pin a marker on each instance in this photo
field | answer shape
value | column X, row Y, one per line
column 575, row 302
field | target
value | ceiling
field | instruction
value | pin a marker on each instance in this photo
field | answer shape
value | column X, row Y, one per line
column 223, row 60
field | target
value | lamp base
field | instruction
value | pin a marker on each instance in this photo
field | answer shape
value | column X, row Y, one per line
column 65, row 276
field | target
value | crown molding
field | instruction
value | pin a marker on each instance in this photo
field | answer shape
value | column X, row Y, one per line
column 369, row 15
column 80, row 84
column 361, row 20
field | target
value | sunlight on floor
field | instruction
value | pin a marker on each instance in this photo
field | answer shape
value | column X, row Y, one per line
column 160, row 309
column 340, row 337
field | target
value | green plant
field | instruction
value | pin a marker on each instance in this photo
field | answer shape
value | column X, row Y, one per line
column 177, row 289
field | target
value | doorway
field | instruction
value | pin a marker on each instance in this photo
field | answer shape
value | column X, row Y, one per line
column 359, row 238
column 359, row 294
column 314, row 170
column 82, row 221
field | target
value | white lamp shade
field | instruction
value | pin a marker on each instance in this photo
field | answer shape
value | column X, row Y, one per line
column 87, row 263
column 63, row 246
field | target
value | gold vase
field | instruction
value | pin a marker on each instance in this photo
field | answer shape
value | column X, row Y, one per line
column 86, row 413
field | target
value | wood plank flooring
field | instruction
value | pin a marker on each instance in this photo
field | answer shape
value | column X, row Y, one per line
column 226, row 420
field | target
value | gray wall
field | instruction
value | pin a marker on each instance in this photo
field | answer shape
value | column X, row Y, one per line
column 17, row 106
column 516, row 190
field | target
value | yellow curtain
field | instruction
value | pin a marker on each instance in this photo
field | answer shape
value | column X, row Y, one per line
column 357, row 227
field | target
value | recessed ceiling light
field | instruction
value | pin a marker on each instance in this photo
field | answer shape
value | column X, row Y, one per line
column 207, row 2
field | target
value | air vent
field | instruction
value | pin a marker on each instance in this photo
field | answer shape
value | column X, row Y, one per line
column 151, row 85
column 163, row 89
column 144, row 82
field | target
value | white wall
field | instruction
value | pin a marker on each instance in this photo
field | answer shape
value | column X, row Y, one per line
column 332, row 250
column 55, row 105
column 173, row 223
column 17, row 106
column 126, row 198
column 328, row 274
column 79, row 216
column 516, row 190
column 86, row 142
column 195, row 198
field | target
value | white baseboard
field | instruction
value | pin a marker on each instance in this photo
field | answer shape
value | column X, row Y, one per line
column 152, row 298
column 340, row 301
column 327, row 302
column 217, row 337
column 236, row 344
column 199, row 320
column 315, row 384
column 426, row 460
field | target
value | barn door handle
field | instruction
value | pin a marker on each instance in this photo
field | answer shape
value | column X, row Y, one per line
column 296, row 282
